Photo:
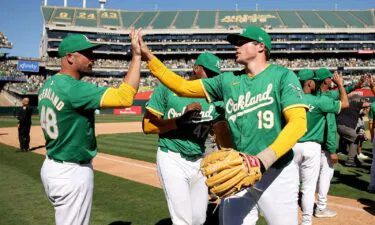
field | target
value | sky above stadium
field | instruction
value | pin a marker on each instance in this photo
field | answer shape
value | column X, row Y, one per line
column 22, row 22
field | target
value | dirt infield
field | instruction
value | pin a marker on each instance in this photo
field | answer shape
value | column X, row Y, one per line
column 349, row 211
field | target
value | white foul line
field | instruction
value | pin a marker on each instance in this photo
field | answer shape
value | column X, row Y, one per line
column 129, row 163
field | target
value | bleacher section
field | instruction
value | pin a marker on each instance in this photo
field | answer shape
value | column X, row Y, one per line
column 117, row 19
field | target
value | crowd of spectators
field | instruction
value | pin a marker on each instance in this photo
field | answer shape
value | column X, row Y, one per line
column 231, row 64
column 32, row 85
column 7, row 68
column 4, row 43
column 147, row 83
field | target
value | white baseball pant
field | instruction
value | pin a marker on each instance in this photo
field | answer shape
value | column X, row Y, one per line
column 307, row 157
column 275, row 195
column 184, row 188
column 372, row 181
column 325, row 177
column 69, row 187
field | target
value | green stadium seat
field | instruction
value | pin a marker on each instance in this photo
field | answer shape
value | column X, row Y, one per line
column 164, row 20
column 206, row 19
column 350, row 19
column 86, row 18
column 109, row 18
column 47, row 13
column 332, row 19
column 145, row 20
column 62, row 15
column 128, row 18
column 290, row 19
column 311, row 19
column 365, row 17
column 269, row 18
column 185, row 19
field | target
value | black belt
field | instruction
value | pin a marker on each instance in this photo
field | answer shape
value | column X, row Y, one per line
column 81, row 162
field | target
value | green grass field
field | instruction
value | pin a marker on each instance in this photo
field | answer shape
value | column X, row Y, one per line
column 23, row 200
column 347, row 182
column 10, row 121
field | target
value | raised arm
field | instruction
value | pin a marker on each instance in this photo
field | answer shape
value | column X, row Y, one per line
column 337, row 79
column 123, row 96
column 182, row 87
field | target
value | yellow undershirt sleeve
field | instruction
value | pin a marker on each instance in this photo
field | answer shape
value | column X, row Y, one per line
column 295, row 128
column 154, row 124
column 122, row 96
column 180, row 86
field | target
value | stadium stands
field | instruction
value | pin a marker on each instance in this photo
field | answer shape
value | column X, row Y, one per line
column 208, row 19
column 300, row 39
column 4, row 43
column 229, row 64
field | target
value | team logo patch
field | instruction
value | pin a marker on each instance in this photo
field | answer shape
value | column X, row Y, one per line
column 296, row 89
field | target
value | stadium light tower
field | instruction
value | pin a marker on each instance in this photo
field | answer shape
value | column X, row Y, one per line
column 102, row 3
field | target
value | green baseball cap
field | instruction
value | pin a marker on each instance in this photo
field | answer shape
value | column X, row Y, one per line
column 306, row 74
column 209, row 61
column 322, row 74
column 75, row 43
column 252, row 33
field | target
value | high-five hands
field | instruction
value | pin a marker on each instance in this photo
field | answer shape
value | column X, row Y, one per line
column 135, row 35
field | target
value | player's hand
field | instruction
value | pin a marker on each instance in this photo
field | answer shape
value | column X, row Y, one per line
column 190, row 116
column 146, row 53
column 194, row 106
column 337, row 79
column 134, row 36
column 334, row 159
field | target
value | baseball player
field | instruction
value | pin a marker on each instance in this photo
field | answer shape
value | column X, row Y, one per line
column 371, row 186
column 183, row 125
column 66, row 108
column 264, row 106
column 328, row 157
column 308, row 149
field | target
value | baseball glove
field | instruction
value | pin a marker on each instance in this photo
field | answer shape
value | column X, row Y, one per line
column 229, row 171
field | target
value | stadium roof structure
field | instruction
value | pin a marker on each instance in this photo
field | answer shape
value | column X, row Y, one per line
column 101, row 20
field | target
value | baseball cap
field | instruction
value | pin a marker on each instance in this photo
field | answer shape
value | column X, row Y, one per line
column 209, row 61
column 306, row 74
column 322, row 74
column 252, row 33
column 75, row 43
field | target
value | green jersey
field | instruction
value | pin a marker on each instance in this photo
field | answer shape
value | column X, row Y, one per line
column 254, row 105
column 330, row 143
column 319, row 106
column 66, row 109
column 335, row 94
column 168, row 105
column 330, row 133
column 372, row 111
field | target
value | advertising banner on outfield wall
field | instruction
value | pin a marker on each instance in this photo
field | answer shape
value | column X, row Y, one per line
column 134, row 110
column 28, row 66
